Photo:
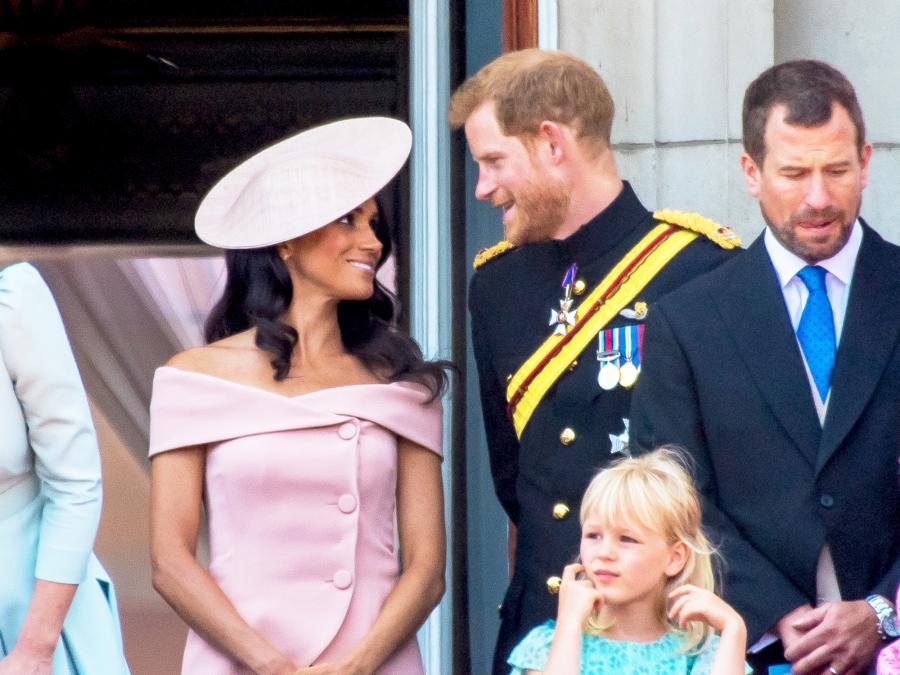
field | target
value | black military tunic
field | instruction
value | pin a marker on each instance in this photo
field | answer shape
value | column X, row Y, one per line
column 540, row 479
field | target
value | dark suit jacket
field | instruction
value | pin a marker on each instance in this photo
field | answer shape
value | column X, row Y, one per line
column 723, row 376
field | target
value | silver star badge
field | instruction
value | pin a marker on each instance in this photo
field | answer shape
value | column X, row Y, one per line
column 619, row 442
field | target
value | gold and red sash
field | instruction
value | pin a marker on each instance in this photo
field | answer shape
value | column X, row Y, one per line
column 632, row 273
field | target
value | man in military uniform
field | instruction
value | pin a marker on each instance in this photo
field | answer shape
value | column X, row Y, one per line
column 581, row 250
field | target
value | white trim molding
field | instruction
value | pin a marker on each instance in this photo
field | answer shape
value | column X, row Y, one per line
column 429, row 251
column 548, row 24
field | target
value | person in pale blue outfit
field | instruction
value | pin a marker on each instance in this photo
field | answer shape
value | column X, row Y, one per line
column 640, row 600
column 58, row 611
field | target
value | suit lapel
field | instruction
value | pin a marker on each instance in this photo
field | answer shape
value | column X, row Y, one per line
column 752, row 305
column 869, row 336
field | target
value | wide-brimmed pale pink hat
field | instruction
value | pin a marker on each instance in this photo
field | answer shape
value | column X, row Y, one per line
column 303, row 182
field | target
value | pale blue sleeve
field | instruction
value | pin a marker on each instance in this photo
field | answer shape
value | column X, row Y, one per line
column 532, row 652
column 703, row 662
column 61, row 435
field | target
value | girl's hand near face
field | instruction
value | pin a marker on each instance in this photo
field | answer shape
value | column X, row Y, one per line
column 578, row 599
column 690, row 603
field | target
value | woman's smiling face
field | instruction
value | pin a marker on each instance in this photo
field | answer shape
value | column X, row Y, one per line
column 338, row 260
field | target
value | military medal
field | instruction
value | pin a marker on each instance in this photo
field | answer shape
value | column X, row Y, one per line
column 564, row 318
column 628, row 372
column 608, row 376
column 608, row 356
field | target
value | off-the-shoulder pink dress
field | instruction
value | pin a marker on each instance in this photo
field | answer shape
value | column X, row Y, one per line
column 300, row 496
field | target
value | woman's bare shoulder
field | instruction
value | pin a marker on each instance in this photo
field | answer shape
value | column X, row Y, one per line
column 224, row 358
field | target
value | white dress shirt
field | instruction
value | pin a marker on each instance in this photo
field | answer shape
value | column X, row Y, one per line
column 837, row 282
column 839, row 276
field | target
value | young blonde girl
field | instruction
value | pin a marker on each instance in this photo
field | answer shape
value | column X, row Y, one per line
column 640, row 600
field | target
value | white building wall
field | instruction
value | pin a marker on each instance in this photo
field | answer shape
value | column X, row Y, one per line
column 861, row 40
column 678, row 69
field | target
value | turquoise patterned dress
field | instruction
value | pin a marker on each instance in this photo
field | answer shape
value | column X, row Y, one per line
column 601, row 656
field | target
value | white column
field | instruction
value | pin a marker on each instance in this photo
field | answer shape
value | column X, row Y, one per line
column 429, row 258
column 548, row 24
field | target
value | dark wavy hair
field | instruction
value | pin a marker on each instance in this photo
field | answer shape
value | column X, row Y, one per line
column 258, row 292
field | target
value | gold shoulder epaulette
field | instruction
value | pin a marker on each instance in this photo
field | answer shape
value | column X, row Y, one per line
column 721, row 235
column 491, row 252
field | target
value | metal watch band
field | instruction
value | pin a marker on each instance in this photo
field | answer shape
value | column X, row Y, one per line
column 885, row 617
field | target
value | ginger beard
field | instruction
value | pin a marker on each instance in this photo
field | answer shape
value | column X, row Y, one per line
column 538, row 209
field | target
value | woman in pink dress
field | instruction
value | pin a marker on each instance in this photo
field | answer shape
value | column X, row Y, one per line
column 308, row 427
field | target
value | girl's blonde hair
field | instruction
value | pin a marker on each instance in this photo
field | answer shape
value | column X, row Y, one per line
column 655, row 491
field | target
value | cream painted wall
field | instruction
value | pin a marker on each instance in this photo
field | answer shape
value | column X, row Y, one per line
column 678, row 69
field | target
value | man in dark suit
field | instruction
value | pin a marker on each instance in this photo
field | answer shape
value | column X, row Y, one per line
column 780, row 373
column 538, row 124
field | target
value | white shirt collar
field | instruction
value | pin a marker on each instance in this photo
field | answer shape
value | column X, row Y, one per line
column 841, row 264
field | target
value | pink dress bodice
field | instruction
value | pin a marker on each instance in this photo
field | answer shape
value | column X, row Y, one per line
column 300, row 496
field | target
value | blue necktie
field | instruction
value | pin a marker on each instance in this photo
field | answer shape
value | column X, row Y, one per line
column 816, row 330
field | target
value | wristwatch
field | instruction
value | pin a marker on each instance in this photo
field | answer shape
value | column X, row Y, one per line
column 885, row 617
